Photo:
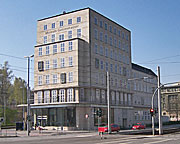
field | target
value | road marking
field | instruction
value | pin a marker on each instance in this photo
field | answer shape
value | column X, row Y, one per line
column 84, row 135
column 158, row 141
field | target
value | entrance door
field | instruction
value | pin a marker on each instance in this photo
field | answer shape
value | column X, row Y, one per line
column 124, row 122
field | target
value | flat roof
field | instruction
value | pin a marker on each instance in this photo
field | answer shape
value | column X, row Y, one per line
column 64, row 13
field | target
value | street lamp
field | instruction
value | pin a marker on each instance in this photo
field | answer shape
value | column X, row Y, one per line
column 28, row 97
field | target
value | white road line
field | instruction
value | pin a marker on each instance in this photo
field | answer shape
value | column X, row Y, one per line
column 158, row 141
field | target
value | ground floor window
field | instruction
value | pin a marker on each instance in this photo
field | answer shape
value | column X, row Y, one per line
column 55, row 117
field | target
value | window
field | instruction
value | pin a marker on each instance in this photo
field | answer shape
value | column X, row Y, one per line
column 119, row 45
column 45, row 39
column 115, row 56
column 70, row 45
column 62, row 47
column 106, row 66
column 78, row 19
column 40, row 51
column 63, row 78
column 47, row 50
column 115, row 42
column 96, row 63
column 101, row 23
column 101, row 36
column 70, row 61
column 122, row 35
column 69, row 34
column 96, row 48
column 45, row 27
column 70, row 95
column 70, row 76
column 102, row 66
column 105, row 26
column 115, row 68
column 106, row 52
column 54, row 78
column 61, row 23
column 127, row 37
column 111, row 54
column 119, row 57
column 69, row 21
column 41, row 66
column 110, row 28
column 78, row 32
column 62, row 62
column 111, row 67
column 39, row 94
column 46, row 97
column 54, row 49
column 47, row 79
column 53, row 25
column 115, row 30
column 95, row 34
column 106, row 38
column 119, row 33
column 54, row 95
column 47, row 64
column 54, row 63
column 95, row 21
column 110, row 40
column 62, row 95
column 61, row 37
column 101, row 50
column 40, row 80
column 53, row 38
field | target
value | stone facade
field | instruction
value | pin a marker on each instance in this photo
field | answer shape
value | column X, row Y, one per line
column 74, row 51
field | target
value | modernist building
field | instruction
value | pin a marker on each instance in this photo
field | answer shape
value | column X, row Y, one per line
column 170, row 102
column 73, row 53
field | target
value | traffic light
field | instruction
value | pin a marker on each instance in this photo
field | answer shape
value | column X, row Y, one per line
column 152, row 112
column 99, row 112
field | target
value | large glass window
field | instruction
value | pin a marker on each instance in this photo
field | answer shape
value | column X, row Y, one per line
column 46, row 97
column 39, row 95
column 70, row 95
column 62, row 95
column 54, row 96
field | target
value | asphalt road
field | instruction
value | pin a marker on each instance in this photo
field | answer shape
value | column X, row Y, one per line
column 93, row 138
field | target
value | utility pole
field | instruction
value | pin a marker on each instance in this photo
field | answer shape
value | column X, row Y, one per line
column 109, row 102
column 28, row 97
column 159, row 102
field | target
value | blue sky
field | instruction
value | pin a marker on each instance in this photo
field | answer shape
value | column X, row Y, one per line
column 154, row 26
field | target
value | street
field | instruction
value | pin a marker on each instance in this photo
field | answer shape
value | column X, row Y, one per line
column 93, row 138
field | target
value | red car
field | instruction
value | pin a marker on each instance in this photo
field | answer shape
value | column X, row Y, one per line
column 114, row 127
column 139, row 126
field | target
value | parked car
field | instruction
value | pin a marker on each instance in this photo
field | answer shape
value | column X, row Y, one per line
column 104, row 128
column 138, row 126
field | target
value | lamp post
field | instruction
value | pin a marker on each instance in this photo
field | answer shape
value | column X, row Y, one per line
column 28, row 96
